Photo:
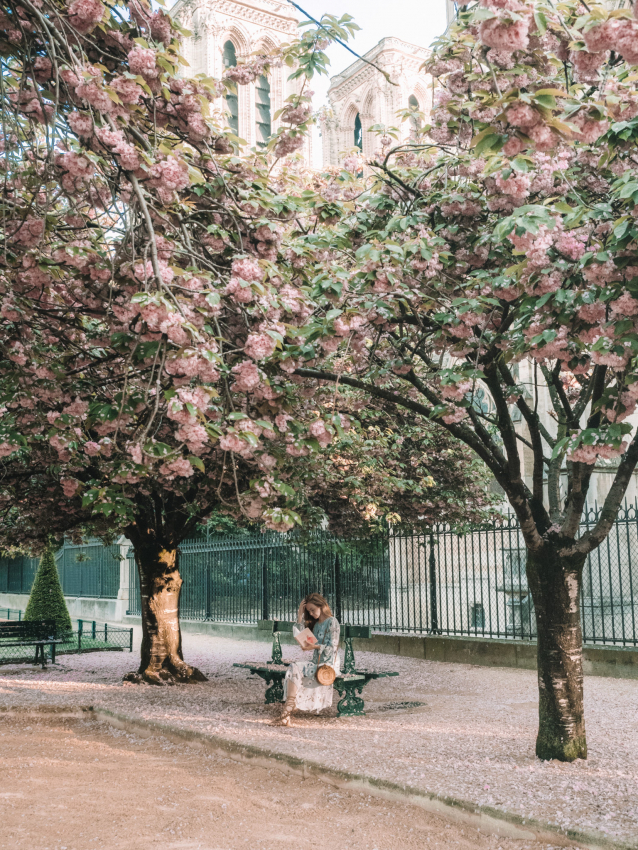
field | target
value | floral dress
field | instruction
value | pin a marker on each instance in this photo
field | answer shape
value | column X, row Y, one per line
column 311, row 696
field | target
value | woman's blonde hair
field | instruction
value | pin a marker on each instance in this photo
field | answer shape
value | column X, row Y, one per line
column 318, row 600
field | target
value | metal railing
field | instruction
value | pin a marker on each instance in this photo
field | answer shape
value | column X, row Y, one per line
column 471, row 584
column 90, row 569
column 88, row 636
column 439, row 583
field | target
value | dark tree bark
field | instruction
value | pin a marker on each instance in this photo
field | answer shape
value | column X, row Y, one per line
column 161, row 661
column 555, row 583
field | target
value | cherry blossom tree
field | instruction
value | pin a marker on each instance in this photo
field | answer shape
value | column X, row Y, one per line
column 141, row 296
column 388, row 470
column 502, row 242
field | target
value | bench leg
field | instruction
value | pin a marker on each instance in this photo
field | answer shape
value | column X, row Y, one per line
column 39, row 651
column 275, row 689
column 52, row 653
column 350, row 705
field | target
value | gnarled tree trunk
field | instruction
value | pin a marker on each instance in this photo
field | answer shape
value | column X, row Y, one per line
column 161, row 659
column 555, row 584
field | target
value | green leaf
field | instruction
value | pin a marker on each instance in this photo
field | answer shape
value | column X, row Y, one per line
column 197, row 462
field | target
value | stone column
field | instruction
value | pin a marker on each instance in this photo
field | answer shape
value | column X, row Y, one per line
column 122, row 601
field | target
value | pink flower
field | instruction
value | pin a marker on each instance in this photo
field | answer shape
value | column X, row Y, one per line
column 522, row 115
column 27, row 233
column 247, row 377
column 70, row 487
column 6, row 449
column 247, row 269
column 260, row 345
column 81, row 124
column 624, row 306
column 85, row 14
column 92, row 449
column 505, row 36
column 141, row 60
column 178, row 468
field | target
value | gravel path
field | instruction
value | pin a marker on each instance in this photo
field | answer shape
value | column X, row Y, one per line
column 123, row 792
column 469, row 732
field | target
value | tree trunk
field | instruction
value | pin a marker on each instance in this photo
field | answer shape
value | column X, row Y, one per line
column 555, row 584
column 161, row 660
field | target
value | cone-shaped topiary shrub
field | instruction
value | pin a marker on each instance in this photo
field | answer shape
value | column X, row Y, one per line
column 47, row 600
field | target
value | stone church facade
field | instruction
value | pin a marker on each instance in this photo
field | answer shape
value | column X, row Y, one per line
column 226, row 31
column 360, row 97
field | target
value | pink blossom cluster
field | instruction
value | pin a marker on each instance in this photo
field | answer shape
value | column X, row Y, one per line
column 504, row 34
column 344, row 325
column 296, row 114
column 30, row 104
column 517, row 184
column 81, row 123
column 247, row 269
column 288, row 143
column 320, row 432
column 76, row 170
column 180, row 467
column 590, row 454
column 70, row 487
column 247, row 72
column 462, row 207
column 127, row 90
column 247, row 377
column 84, row 15
column 570, row 246
column 27, row 233
column 618, row 34
column 232, row 442
column 191, row 365
column 195, row 437
column 259, row 345
column 169, row 176
column 116, row 142
column 457, row 391
column 142, row 61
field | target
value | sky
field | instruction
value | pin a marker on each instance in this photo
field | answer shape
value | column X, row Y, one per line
column 415, row 21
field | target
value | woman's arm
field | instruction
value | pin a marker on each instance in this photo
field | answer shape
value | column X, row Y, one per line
column 328, row 650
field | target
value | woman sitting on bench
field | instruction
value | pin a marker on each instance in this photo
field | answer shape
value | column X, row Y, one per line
column 301, row 688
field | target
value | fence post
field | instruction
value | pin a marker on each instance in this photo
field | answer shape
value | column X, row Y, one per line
column 337, row 568
column 106, row 632
column 264, row 588
column 209, row 593
column 79, row 635
column 434, row 613
column 131, row 642
column 93, row 630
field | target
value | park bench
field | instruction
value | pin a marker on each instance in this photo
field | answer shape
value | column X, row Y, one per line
column 348, row 684
column 37, row 634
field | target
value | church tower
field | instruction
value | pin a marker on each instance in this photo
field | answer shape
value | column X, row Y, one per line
column 361, row 97
column 226, row 31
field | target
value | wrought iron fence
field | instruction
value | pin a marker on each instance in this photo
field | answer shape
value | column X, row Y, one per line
column 89, row 569
column 470, row 584
column 86, row 638
column 443, row 582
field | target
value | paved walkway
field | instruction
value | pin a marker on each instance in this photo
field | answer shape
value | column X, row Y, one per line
column 455, row 730
column 122, row 792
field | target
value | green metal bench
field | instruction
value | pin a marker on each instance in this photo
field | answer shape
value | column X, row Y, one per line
column 349, row 683
column 28, row 633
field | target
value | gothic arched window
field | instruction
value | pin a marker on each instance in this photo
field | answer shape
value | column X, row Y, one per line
column 413, row 106
column 232, row 101
column 358, row 132
column 262, row 110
